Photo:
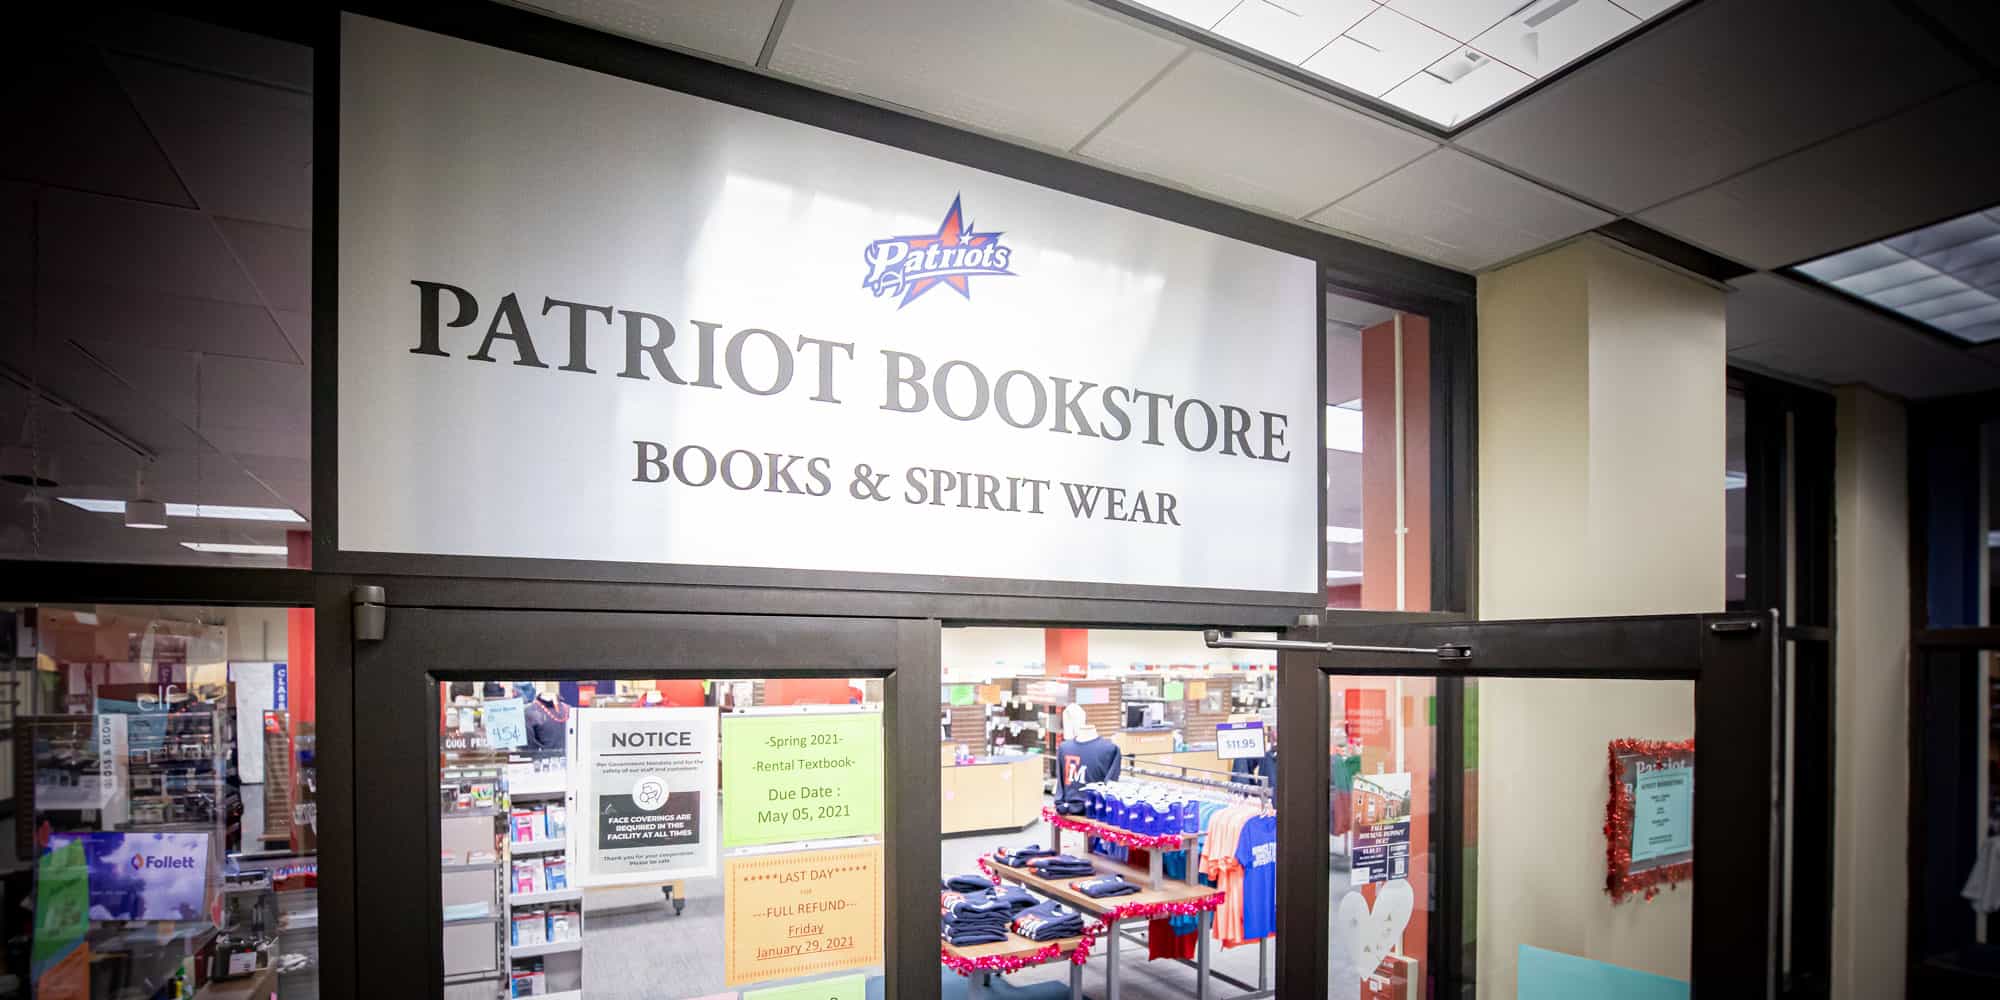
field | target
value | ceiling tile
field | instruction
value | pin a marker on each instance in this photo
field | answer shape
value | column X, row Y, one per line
column 279, row 259
column 1293, row 30
column 732, row 29
column 245, row 149
column 67, row 122
column 1814, row 333
column 1067, row 67
column 1458, row 87
column 1907, row 171
column 1355, row 313
column 1648, row 8
column 1383, row 50
column 1228, row 131
column 196, row 44
column 1461, row 19
column 1453, row 209
column 114, row 243
column 1714, row 91
column 171, row 322
column 1546, row 35
column 1200, row 13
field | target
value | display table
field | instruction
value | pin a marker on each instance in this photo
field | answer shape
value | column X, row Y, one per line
column 979, row 962
column 990, row 793
column 1171, row 899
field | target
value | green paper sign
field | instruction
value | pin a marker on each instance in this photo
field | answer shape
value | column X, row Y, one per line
column 841, row 988
column 961, row 694
column 1174, row 691
column 809, row 776
column 1662, row 813
column 62, row 904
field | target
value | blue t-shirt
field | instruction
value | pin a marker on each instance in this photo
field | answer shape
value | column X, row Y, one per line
column 1257, row 852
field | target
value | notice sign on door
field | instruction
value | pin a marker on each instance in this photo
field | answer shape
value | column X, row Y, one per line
column 808, row 775
column 1237, row 740
column 642, row 800
column 801, row 913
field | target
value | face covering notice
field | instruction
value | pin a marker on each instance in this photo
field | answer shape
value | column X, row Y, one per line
column 644, row 794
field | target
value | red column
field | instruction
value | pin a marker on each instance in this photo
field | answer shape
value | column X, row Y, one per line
column 1379, row 463
column 1065, row 652
column 301, row 678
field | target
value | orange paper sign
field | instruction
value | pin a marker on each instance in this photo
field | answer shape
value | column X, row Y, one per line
column 801, row 913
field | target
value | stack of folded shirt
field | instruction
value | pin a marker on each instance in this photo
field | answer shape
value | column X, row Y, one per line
column 1061, row 866
column 1048, row 921
column 967, row 883
column 975, row 918
column 1107, row 885
column 1021, row 856
column 1016, row 898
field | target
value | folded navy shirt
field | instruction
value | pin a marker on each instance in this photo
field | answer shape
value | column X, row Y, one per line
column 967, row 883
column 1020, row 856
column 1049, row 920
column 1107, row 885
column 1061, row 866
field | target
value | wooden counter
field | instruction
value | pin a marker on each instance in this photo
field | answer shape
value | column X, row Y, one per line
column 1005, row 794
column 1146, row 741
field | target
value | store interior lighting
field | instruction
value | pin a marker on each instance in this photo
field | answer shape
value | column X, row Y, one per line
column 222, row 512
column 1343, row 427
column 143, row 511
column 1945, row 276
column 1445, row 61
column 235, row 549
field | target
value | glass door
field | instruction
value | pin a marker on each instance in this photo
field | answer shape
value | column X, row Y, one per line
column 1516, row 809
column 641, row 805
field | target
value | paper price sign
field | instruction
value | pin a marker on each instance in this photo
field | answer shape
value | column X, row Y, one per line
column 810, row 776
column 1237, row 740
column 506, row 724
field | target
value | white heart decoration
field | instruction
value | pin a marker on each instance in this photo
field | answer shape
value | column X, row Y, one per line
column 1371, row 934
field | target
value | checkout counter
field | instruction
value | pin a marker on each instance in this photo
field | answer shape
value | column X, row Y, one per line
column 990, row 793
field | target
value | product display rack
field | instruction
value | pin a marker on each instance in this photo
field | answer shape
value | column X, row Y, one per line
column 530, row 782
column 474, row 945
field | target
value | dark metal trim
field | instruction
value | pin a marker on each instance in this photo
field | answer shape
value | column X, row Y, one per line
column 1304, row 717
column 1737, row 755
column 1679, row 253
column 30, row 580
column 425, row 647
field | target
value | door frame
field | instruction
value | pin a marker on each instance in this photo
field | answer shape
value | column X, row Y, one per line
column 394, row 770
column 1739, row 749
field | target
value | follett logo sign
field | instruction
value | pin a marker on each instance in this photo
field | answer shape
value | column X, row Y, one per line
column 909, row 266
column 141, row 862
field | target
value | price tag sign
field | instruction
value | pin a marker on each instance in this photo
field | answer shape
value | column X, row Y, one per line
column 506, row 724
column 1237, row 740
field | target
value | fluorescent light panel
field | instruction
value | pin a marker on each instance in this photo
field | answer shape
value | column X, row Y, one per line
column 1343, row 536
column 222, row 512
column 1945, row 276
column 235, row 549
column 1442, row 60
column 1343, row 429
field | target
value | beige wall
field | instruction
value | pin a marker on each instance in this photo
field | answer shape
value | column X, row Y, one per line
column 1871, row 704
column 1602, row 395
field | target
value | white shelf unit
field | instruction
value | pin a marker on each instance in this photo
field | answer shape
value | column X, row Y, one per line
column 563, row 960
column 552, row 948
column 550, row 896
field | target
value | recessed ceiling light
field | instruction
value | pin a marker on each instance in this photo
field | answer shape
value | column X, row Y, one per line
column 222, row 512
column 1945, row 276
column 1442, row 60
column 1343, row 536
column 1343, row 429
column 1337, row 575
column 234, row 549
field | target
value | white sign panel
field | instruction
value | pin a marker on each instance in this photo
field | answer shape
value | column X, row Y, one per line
column 642, row 804
column 1237, row 740
column 584, row 318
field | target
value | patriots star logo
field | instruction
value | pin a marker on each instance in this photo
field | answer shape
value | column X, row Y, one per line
column 909, row 266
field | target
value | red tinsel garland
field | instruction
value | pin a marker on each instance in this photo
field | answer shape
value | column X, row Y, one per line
column 1123, row 838
column 1619, row 880
column 1004, row 964
column 1154, row 911
column 986, row 868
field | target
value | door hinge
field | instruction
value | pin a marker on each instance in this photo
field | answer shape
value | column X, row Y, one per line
column 371, row 616
column 1736, row 626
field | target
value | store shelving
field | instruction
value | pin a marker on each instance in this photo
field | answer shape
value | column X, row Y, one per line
column 551, row 948
column 536, row 846
column 547, row 896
